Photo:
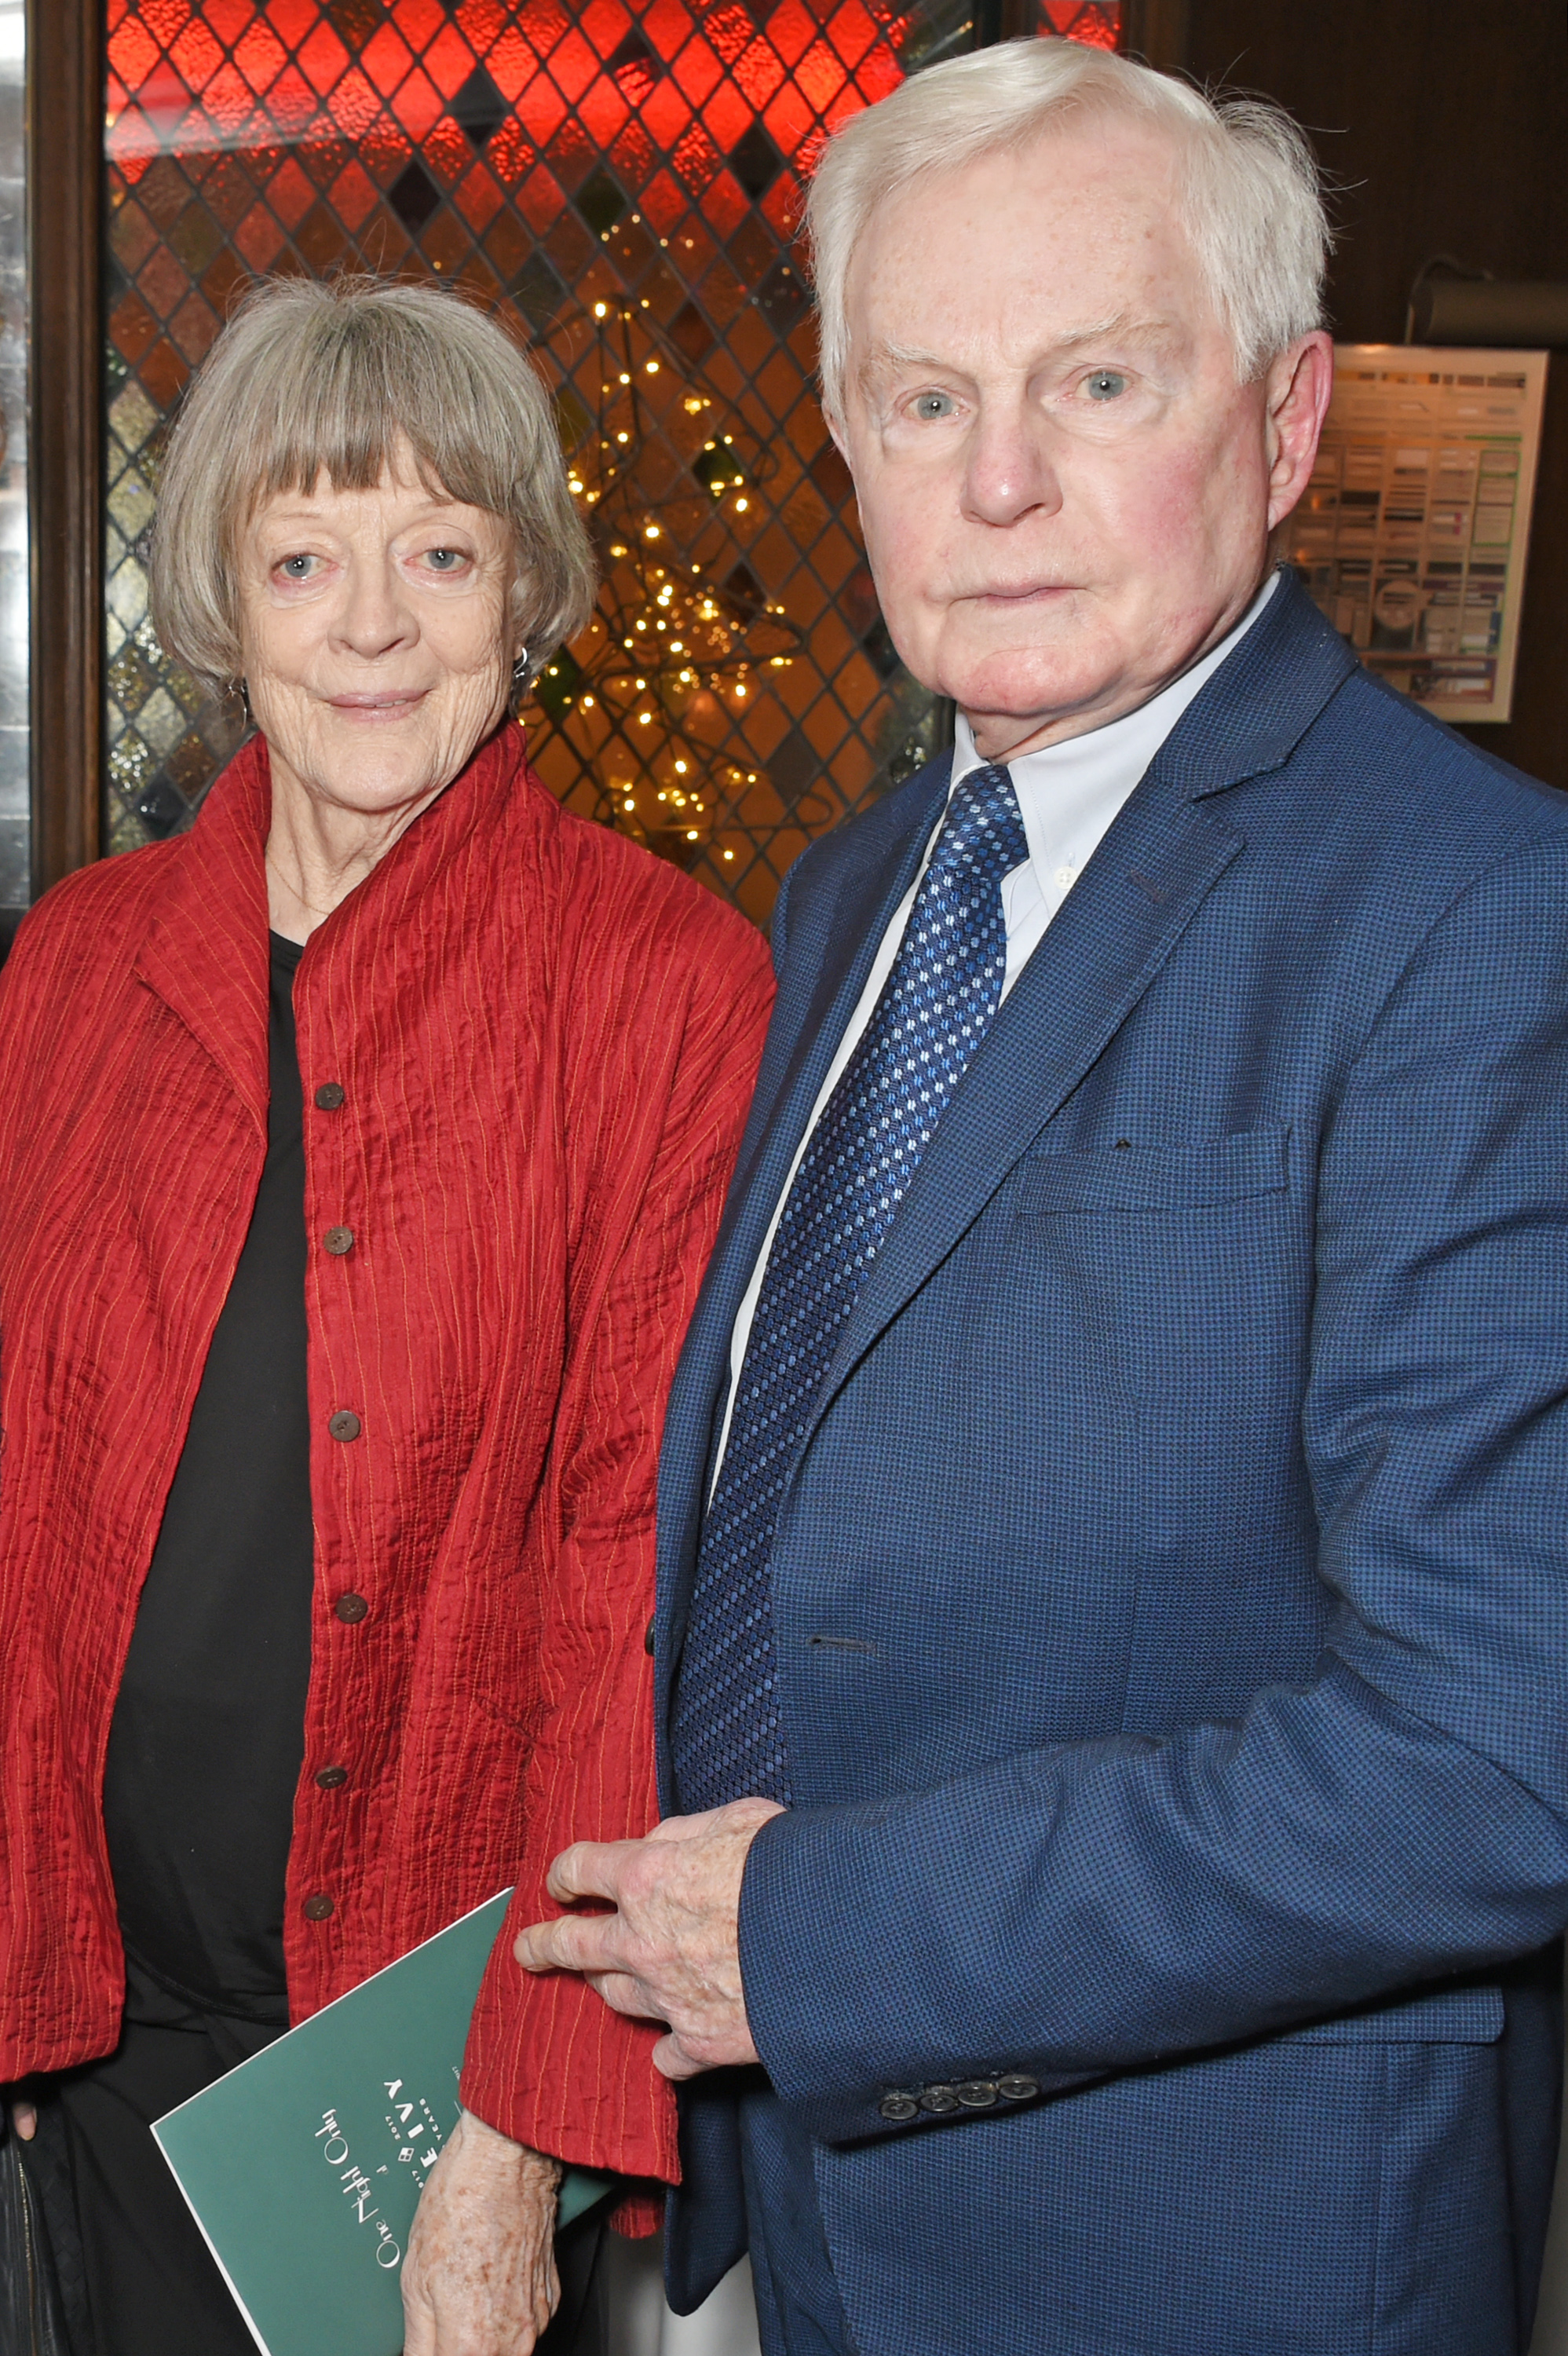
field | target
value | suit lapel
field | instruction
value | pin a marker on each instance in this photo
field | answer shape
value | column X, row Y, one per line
column 807, row 1031
column 1114, row 932
column 832, row 953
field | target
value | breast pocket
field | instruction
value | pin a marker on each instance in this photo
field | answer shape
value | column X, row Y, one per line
column 1129, row 1176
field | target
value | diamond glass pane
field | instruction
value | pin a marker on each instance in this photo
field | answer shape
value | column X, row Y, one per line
column 622, row 182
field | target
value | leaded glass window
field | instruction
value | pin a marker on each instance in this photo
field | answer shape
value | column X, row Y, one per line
column 624, row 179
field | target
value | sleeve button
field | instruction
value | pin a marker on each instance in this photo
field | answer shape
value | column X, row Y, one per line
column 345, row 1424
column 898, row 2107
column 317, row 1908
column 978, row 2094
column 1016, row 2088
column 939, row 2101
column 350, row 1609
column 331, row 1097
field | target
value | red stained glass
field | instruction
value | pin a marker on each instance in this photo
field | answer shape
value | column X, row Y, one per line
column 418, row 105
column 623, row 180
column 353, row 195
column 198, row 54
column 261, row 57
column 665, row 114
column 323, row 59
column 354, row 107
column 448, row 61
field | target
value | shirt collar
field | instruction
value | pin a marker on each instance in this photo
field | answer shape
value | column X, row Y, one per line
column 1069, row 793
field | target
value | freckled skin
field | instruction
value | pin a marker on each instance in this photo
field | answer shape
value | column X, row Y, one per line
column 378, row 653
column 1066, row 494
column 479, row 2279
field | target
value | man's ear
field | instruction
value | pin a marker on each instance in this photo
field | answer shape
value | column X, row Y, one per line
column 834, row 425
column 1298, row 388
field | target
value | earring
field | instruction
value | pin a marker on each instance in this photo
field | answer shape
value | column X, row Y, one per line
column 519, row 680
column 245, row 704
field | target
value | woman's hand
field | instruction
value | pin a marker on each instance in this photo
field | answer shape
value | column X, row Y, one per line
column 479, row 2279
column 24, row 2120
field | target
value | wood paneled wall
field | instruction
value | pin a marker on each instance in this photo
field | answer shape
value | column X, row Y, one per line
column 1444, row 128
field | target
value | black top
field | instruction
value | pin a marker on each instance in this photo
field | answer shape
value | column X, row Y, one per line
column 208, row 1730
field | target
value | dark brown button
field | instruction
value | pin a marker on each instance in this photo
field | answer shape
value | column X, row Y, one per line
column 648, row 1637
column 975, row 2094
column 330, row 1096
column 350, row 1608
column 939, row 2101
column 898, row 2107
column 318, row 1908
column 345, row 1424
column 332, row 1778
column 1018, row 2088
column 338, row 1240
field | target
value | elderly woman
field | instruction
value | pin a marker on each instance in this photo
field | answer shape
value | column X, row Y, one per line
column 359, row 1154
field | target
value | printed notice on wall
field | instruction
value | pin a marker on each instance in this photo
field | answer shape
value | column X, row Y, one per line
column 1412, row 533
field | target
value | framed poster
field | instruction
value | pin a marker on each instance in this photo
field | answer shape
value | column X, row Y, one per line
column 1411, row 535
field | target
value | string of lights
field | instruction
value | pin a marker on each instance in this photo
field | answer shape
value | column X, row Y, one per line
column 659, row 686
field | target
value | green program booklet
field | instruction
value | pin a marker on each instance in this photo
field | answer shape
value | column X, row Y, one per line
column 304, row 2167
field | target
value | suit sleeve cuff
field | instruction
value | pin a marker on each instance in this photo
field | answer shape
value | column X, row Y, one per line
column 840, row 2014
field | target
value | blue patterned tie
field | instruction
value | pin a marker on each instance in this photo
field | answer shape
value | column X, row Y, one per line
column 935, row 1008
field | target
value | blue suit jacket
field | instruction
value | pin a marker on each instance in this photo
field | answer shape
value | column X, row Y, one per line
column 1171, row 1594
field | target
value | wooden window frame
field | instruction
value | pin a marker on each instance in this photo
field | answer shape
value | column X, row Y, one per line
column 65, row 452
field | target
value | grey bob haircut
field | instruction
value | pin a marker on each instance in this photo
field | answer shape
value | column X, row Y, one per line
column 311, row 378
column 1250, row 190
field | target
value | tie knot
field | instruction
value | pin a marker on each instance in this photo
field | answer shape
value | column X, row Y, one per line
column 983, row 827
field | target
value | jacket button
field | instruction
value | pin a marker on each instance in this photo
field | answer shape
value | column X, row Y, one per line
column 331, row 1097
column 350, row 1608
column 975, row 2094
column 648, row 1637
column 318, row 1908
column 1016, row 2088
column 898, row 2107
column 332, row 1778
column 338, row 1240
column 939, row 2101
column 345, row 1424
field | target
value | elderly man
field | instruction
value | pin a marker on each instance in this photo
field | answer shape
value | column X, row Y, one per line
column 1115, row 1609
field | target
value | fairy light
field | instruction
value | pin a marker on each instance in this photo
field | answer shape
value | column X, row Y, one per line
column 664, row 638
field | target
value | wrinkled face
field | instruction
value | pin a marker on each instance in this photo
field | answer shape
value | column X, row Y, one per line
column 1066, row 494
column 375, row 636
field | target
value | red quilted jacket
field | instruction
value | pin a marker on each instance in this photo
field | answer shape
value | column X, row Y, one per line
column 544, row 1041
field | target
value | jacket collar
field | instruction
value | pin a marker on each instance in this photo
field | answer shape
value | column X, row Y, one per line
column 206, row 953
column 1261, row 702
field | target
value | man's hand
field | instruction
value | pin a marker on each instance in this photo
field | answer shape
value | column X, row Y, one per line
column 24, row 2120
column 479, row 2279
column 671, row 1951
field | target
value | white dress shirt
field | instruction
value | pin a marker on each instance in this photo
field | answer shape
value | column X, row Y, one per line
column 1068, row 795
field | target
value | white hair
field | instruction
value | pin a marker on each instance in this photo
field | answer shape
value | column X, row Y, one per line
column 1250, row 191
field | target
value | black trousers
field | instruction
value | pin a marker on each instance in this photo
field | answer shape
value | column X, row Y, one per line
column 152, row 2286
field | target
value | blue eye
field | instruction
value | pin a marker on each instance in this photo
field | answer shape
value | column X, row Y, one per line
column 296, row 568
column 445, row 559
column 932, row 406
column 1106, row 385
